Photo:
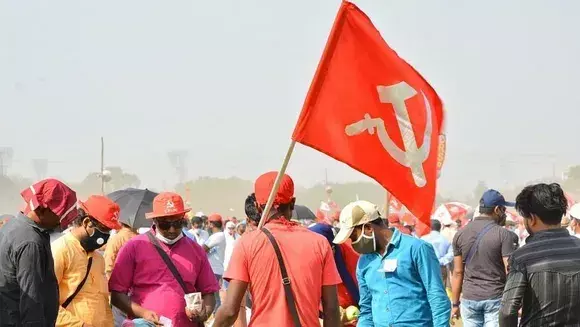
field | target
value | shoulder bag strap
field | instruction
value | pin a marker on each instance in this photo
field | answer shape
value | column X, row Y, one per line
column 477, row 241
column 285, row 280
column 82, row 283
column 167, row 261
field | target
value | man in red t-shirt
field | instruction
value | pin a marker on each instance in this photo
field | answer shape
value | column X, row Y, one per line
column 308, row 258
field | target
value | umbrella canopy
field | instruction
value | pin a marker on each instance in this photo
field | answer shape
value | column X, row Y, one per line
column 134, row 204
column 449, row 213
column 303, row 213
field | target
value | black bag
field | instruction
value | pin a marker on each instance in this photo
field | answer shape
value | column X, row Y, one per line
column 82, row 283
column 285, row 280
column 167, row 261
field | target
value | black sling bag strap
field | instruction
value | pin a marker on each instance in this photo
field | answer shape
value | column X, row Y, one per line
column 285, row 280
column 82, row 283
column 477, row 241
column 167, row 261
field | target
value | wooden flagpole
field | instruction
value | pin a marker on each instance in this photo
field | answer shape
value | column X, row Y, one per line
column 272, row 196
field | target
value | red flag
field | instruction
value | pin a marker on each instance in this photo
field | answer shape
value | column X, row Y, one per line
column 371, row 110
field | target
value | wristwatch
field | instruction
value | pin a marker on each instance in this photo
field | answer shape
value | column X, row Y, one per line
column 456, row 305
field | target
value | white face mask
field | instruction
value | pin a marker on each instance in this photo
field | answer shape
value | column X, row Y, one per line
column 365, row 244
column 166, row 240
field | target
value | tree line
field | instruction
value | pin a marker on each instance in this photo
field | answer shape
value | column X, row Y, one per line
column 227, row 195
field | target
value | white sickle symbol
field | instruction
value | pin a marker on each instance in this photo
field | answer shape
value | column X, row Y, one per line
column 413, row 156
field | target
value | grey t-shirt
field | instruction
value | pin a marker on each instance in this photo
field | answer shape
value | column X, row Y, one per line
column 484, row 276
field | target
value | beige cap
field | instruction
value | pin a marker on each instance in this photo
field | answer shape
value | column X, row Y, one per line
column 355, row 214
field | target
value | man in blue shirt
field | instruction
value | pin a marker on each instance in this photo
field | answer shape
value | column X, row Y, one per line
column 399, row 277
column 441, row 245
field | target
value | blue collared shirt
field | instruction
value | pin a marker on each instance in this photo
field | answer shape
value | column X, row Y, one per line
column 443, row 249
column 411, row 294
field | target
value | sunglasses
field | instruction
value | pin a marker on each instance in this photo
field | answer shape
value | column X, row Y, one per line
column 95, row 223
column 167, row 224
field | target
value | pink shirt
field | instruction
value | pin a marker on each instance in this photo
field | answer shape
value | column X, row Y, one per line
column 140, row 271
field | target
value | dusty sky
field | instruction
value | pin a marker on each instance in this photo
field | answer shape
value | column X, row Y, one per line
column 225, row 80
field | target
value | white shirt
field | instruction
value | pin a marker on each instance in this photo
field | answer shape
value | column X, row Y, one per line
column 201, row 236
column 230, row 243
column 217, row 245
column 143, row 230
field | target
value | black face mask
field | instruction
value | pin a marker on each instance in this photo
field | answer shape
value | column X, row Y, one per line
column 95, row 241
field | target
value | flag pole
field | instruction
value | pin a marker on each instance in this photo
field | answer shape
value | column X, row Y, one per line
column 272, row 196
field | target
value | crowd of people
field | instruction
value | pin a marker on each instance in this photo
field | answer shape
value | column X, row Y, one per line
column 361, row 269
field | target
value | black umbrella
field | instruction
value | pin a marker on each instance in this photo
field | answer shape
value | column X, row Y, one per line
column 134, row 204
column 302, row 213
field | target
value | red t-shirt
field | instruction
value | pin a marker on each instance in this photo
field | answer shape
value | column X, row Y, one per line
column 350, row 257
column 310, row 264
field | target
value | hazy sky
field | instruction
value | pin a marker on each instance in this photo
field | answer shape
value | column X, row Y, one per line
column 225, row 80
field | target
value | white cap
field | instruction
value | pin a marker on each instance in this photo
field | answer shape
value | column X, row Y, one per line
column 575, row 211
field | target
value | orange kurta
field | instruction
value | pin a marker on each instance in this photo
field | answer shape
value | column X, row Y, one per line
column 114, row 245
column 91, row 304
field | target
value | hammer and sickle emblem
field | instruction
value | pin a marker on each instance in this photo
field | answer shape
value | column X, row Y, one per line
column 412, row 156
column 169, row 206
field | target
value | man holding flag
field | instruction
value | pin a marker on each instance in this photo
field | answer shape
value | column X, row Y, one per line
column 368, row 108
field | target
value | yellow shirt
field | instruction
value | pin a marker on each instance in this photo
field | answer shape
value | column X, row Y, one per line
column 114, row 245
column 91, row 304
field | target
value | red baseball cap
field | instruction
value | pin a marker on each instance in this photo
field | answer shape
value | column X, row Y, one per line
column 167, row 204
column 103, row 209
column 215, row 217
column 53, row 195
column 265, row 183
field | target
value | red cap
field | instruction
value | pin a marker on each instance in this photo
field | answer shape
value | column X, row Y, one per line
column 167, row 204
column 53, row 195
column 265, row 183
column 103, row 209
column 215, row 217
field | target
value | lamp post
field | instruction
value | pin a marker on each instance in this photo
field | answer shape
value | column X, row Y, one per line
column 104, row 175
